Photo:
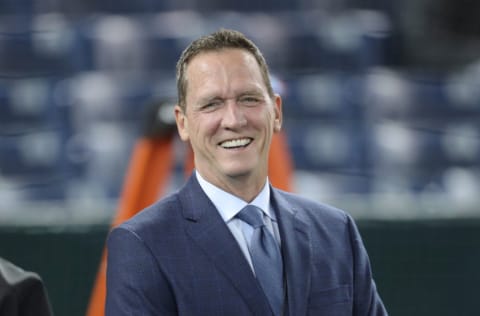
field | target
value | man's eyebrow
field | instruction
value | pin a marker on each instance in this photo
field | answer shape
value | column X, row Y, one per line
column 209, row 98
column 251, row 92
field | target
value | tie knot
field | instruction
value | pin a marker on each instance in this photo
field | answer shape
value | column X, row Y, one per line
column 251, row 215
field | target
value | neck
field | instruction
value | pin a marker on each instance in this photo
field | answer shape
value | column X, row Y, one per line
column 244, row 187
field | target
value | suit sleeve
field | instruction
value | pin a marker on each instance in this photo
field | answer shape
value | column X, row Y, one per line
column 135, row 283
column 367, row 301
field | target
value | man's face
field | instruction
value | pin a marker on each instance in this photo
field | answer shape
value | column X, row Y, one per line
column 229, row 117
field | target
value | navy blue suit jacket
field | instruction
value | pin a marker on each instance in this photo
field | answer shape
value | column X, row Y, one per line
column 178, row 257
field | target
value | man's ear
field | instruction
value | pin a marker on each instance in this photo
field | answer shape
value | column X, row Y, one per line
column 182, row 123
column 277, row 123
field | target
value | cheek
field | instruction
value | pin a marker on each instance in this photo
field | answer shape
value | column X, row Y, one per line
column 264, row 120
column 202, row 126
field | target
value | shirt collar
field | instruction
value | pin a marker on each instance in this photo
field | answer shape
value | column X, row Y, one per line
column 228, row 205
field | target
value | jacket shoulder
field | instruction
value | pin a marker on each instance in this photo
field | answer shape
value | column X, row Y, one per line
column 160, row 217
column 309, row 209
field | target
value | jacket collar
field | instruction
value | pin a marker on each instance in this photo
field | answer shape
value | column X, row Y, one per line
column 210, row 233
column 208, row 230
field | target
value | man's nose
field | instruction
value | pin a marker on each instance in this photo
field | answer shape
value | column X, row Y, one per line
column 233, row 116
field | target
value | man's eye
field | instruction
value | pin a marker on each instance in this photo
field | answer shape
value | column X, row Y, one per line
column 211, row 105
column 249, row 100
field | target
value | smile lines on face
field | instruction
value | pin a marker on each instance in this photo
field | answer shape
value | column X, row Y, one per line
column 236, row 143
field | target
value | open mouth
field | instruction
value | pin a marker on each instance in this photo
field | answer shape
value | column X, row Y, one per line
column 236, row 143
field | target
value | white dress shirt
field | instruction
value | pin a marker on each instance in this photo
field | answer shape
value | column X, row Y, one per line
column 229, row 205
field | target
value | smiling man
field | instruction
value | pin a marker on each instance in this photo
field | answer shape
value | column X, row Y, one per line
column 229, row 115
column 228, row 243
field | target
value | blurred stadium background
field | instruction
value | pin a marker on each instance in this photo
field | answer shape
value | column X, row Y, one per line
column 382, row 115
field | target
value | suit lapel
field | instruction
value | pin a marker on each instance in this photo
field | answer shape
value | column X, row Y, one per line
column 208, row 230
column 296, row 253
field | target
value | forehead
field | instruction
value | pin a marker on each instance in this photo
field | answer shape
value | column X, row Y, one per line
column 233, row 59
column 223, row 66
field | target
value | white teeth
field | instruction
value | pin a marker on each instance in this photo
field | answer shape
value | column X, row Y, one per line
column 236, row 143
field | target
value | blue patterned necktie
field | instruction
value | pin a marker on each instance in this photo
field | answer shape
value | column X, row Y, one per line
column 266, row 257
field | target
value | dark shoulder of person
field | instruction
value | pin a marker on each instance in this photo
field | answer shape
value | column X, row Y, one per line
column 22, row 293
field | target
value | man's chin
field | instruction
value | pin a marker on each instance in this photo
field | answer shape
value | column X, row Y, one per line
column 242, row 169
column 238, row 174
column 244, row 175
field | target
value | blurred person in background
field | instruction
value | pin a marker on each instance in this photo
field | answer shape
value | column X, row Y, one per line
column 227, row 242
